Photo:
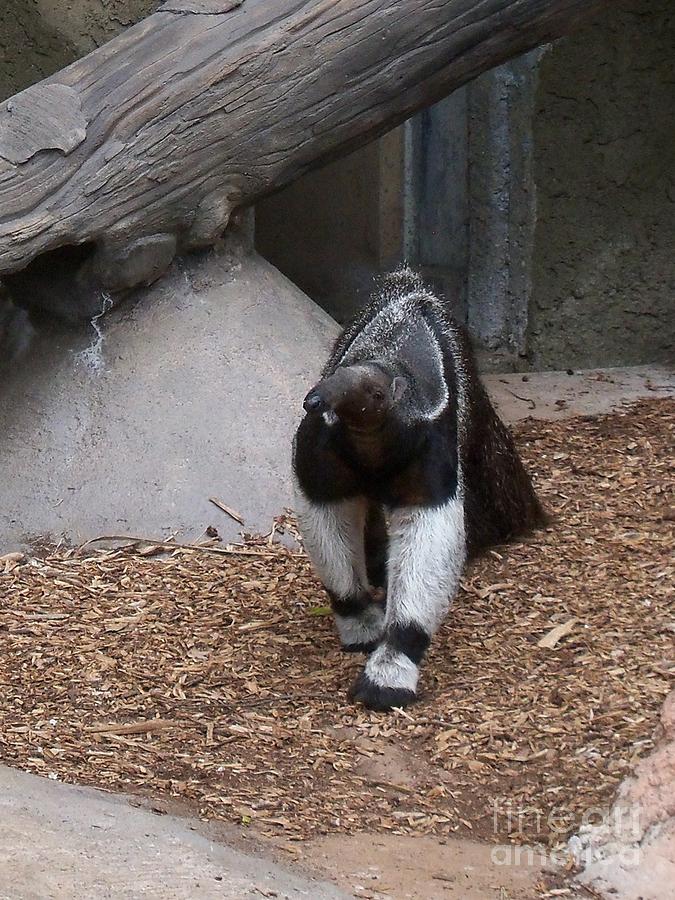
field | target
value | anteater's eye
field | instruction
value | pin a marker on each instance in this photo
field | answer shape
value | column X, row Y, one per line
column 378, row 396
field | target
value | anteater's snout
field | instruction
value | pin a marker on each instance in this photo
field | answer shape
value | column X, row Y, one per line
column 314, row 402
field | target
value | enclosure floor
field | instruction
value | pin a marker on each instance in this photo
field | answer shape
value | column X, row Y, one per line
column 218, row 680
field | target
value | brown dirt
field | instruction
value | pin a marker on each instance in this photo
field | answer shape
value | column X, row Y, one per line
column 421, row 868
column 237, row 660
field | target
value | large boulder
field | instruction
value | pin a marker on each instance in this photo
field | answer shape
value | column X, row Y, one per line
column 190, row 391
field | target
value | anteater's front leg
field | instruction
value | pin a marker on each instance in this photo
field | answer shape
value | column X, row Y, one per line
column 333, row 535
column 426, row 557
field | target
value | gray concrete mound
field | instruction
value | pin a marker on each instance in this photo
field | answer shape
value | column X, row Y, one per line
column 191, row 391
column 72, row 843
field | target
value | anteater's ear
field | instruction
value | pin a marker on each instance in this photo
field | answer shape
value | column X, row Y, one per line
column 398, row 387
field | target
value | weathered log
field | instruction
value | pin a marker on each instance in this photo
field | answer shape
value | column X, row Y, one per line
column 145, row 147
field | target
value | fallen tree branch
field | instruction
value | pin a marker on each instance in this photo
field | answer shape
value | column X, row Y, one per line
column 145, row 727
column 145, row 147
column 171, row 545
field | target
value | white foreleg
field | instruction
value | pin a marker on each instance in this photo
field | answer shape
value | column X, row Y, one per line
column 426, row 559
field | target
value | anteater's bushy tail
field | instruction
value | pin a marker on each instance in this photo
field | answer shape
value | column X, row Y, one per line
column 500, row 502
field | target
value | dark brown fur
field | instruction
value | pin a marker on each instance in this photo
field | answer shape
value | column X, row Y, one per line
column 500, row 502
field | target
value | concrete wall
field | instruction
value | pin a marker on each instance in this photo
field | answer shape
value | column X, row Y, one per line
column 572, row 198
column 502, row 209
column 539, row 198
column 333, row 230
column 603, row 274
column 38, row 37
column 436, row 187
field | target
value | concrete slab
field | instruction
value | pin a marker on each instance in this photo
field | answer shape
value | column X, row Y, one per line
column 558, row 395
column 190, row 392
column 70, row 843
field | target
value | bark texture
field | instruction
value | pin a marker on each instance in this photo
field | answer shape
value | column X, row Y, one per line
column 145, row 147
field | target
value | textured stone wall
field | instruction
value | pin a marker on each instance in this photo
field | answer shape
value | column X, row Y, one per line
column 603, row 264
column 38, row 37
column 321, row 231
column 501, row 210
column 334, row 230
column 566, row 254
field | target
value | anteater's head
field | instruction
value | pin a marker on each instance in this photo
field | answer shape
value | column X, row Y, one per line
column 361, row 396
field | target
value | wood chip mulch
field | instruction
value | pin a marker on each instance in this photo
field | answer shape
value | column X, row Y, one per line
column 217, row 680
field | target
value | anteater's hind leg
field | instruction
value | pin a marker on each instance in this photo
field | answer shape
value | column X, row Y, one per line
column 377, row 549
column 334, row 537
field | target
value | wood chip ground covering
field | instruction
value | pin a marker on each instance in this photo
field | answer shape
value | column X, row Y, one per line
column 218, row 680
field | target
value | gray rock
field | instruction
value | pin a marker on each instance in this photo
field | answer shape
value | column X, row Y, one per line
column 191, row 391
column 72, row 843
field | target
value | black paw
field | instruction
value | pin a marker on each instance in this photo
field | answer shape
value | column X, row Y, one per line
column 380, row 698
column 364, row 647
